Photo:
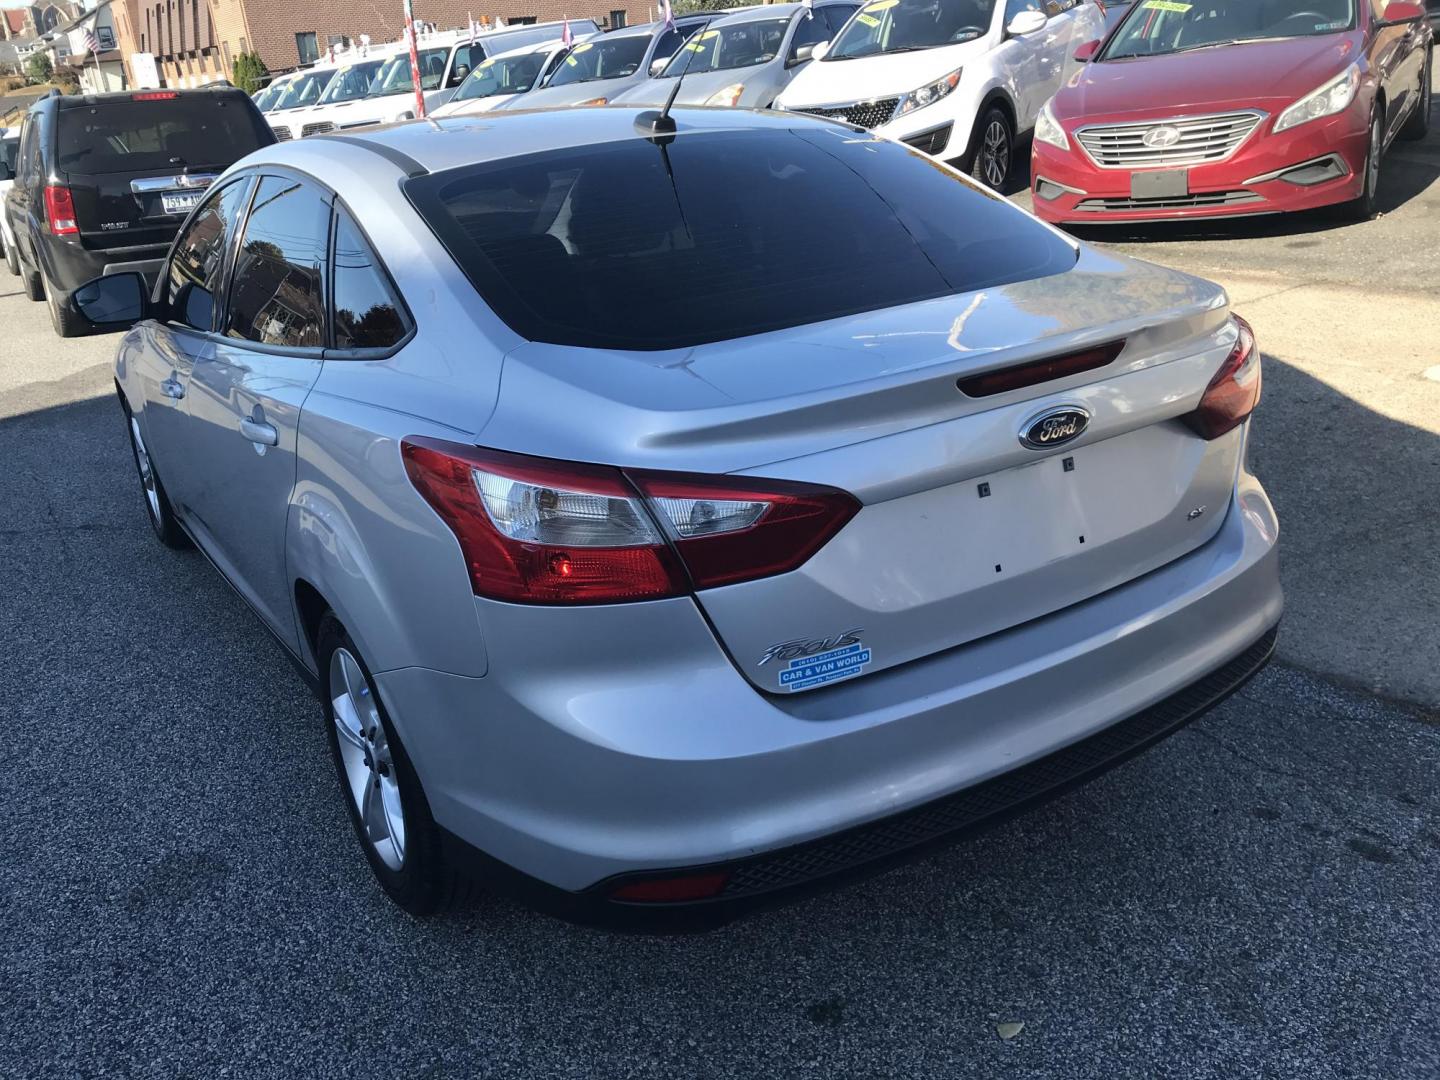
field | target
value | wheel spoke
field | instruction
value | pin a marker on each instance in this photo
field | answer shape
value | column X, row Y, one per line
column 347, row 724
column 372, row 813
column 389, row 797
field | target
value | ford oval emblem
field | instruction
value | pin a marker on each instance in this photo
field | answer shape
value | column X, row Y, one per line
column 1157, row 138
column 1055, row 427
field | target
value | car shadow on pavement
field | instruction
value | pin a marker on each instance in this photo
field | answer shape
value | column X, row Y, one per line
column 182, row 885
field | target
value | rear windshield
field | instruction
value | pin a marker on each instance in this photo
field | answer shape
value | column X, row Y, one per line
column 138, row 136
column 633, row 245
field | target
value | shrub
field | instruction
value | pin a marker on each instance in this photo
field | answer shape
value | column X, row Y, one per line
column 250, row 71
column 38, row 68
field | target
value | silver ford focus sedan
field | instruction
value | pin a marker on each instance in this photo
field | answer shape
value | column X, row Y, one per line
column 672, row 523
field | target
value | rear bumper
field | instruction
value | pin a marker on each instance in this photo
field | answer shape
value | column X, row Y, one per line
column 574, row 782
column 68, row 265
column 1314, row 165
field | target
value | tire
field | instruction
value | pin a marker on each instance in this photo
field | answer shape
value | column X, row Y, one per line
column 34, row 286
column 157, row 503
column 991, row 156
column 11, row 260
column 1418, row 126
column 63, row 318
column 379, row 784
column 1364, row 207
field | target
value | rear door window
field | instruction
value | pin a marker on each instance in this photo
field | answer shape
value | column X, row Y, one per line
column 722, row 234
column 276, row 295
column 368, row 312
column 194, row 275
column 148, row 136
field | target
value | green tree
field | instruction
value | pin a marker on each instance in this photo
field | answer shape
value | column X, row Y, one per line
column 250, row 71
column 38, row 68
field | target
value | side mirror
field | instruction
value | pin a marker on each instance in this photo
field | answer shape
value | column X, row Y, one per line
column 657, row 66
column 803, row 54
column 1400, row 12
column 1026, row 22
column 113, row 302
column 820, row 51
column 1086, row 51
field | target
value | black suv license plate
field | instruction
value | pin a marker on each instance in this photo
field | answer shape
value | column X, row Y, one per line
column 1160, row 184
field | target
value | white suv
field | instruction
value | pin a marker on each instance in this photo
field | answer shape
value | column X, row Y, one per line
column 959, row 79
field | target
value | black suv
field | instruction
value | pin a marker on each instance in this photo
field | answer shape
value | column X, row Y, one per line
column 104, row 181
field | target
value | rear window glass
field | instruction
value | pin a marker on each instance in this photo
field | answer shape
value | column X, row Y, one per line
column 140, row 136
column 723, row 234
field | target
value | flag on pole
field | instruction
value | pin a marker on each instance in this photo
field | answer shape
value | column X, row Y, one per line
column 809, row 6
column 667, row 15
column 474, row 28
column 566, row 38
column 92, row 43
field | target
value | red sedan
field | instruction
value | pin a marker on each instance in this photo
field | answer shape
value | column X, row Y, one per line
column 1219, row 108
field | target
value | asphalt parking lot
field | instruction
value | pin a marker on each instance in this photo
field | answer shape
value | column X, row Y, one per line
column 1254, row 898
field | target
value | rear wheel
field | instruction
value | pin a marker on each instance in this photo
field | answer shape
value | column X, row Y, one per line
column 63, row 317
column 1364, row 207
column 382, row 792
column 34, row 286
column 157, row 503
column 1418, row 126
column 992, row 149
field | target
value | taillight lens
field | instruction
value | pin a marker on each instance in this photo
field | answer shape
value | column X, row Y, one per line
column 535, row 531
column 729, row 529
column 1234, row 391
column 60, row 210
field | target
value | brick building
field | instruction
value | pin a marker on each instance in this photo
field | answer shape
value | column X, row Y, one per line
column 196, row 41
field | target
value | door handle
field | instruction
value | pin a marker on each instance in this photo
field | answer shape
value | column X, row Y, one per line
column 259, row 432
column 173, row 388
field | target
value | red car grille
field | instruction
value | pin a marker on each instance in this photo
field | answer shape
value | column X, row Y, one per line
column 1196, row 140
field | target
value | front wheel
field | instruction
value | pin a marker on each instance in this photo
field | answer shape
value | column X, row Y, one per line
column 382, row 792
column 1364, row 206
column 1418, row 126
column 157, row 503
column 992, row 149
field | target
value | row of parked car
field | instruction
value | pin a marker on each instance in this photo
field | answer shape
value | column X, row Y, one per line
column 1178, row 109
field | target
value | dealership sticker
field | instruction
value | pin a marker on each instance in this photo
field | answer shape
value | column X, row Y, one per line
column 843, row 663
column 1166, row 5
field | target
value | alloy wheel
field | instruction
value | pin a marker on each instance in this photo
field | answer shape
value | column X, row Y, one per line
column 1372, row 163
column 370, row 774
column 147, row 471
column 995, row 154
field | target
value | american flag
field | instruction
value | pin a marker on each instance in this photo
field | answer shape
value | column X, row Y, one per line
column 474, row 28
column 566, row 38
column 92, row 43
column 667, row 15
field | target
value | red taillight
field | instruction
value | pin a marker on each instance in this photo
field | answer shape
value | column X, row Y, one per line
column 728, row 529
column 1039, row 371
column 535, row 531
column 672, row 890
column 155, row 95
column 60, row 211
column 1234, row 391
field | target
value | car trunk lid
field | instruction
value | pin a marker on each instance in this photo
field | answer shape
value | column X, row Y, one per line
column 965, row 530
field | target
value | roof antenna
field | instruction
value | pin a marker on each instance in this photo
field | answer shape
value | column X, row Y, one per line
column 659, row 127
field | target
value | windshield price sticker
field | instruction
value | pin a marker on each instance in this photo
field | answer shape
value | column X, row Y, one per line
column 1167, row 5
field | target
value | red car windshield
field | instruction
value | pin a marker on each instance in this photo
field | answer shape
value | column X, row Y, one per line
column 1156, row 27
